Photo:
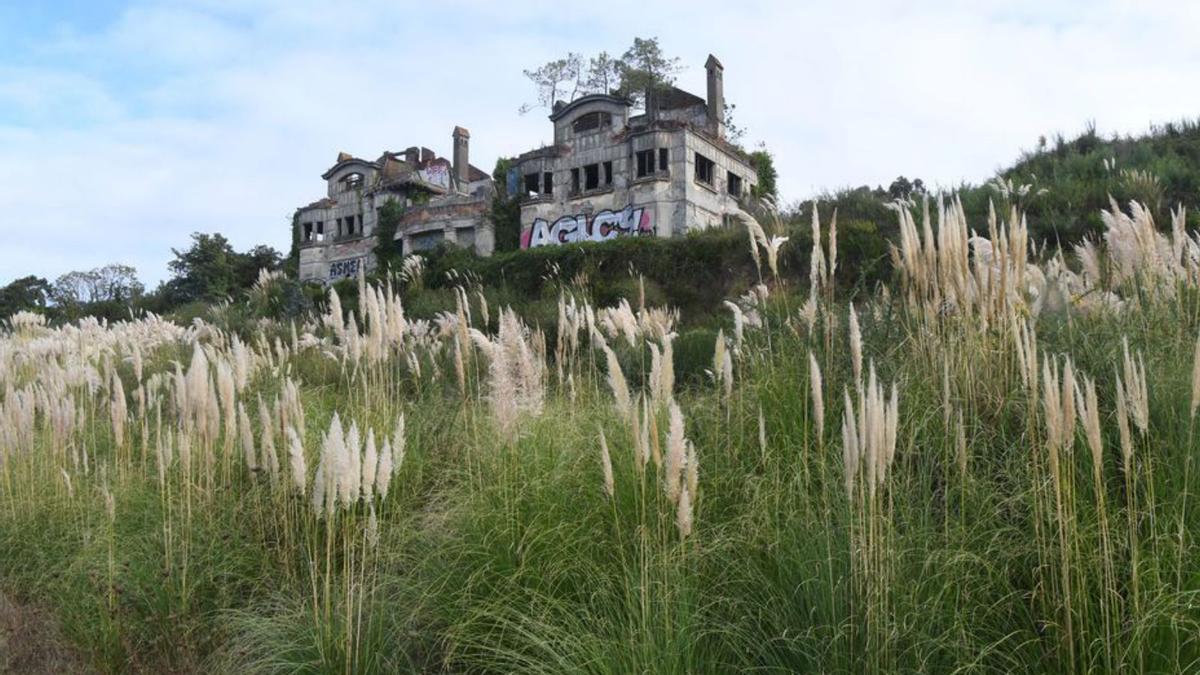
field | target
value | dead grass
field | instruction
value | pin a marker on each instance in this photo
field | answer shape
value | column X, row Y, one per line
column 31, row 644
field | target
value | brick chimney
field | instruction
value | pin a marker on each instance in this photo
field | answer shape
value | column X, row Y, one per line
column 462, row 168
column 716, row 94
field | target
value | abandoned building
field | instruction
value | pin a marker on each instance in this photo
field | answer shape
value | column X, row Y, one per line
column 665, row 172
column 443, row 200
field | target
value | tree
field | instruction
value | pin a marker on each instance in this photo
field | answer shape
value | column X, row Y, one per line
column 261, row 257
column 764, row 167
column 506, row 209
column 110, row 283
column 72, row 288
column 560, row 75
column 207, row 270
column 116, row 283
column 902, row 188
column 603, row 74
column 27, row 294
column 644, row 67
column 291, row 264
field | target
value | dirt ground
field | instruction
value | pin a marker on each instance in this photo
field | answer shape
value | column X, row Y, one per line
column 31, row 644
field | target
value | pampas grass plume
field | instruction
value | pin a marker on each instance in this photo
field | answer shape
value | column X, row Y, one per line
column 683, row 514
column 606, row 466
column 816, row 387
column 296, row 463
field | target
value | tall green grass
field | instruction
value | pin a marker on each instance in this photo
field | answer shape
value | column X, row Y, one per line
column 985, row 549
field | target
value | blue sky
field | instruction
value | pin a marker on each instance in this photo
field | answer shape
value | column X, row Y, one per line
column 125, row 126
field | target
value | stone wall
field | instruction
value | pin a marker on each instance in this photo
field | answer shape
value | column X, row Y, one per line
column 465, row 224
column 664, row 203
column 341, row 259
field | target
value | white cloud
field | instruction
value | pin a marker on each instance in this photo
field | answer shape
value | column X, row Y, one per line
column 117, row 142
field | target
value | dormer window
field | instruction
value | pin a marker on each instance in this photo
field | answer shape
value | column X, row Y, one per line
column 352, row 181
column 592, row 121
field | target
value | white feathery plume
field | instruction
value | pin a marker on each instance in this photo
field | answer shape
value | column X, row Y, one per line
column 606, row 466
column 739, row 325
column 772, row 247
column 398, row 444
column 370, row 463
column 683, row 514
column 833, row 244
column 849, row 444
column 269, row 456
column 1068, row 403
column 616, row 382
column 296, row 462
column 1123, row 427
column 727, row 374
column 1195, row 379
column 856, row 347
column 483, row 308
column 350, row 475
column 383, row 474
column 1136, row 396
column 817, row 263
column 247, row 435
column 762, row 431
column 676, row 452
column 372, row 531
column 818, row 395
column 119, row 411
column 718, row 365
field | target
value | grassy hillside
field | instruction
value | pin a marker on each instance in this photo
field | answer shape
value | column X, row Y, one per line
column 984, row 465
column 1070, row 182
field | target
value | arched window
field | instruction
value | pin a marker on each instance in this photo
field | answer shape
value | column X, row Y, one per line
column 352, row 181
column 592, row 121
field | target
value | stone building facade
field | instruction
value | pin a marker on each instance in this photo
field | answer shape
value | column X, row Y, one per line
column 662, row 173
column 443, row 200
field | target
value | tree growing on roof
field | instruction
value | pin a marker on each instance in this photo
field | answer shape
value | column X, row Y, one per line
column 642, row 67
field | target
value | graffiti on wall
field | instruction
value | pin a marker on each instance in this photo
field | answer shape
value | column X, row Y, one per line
column 436, row 174
column 604, row 225
column 345, row 268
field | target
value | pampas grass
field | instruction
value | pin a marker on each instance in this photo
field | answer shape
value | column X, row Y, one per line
column 434, row 505
column 606, row 466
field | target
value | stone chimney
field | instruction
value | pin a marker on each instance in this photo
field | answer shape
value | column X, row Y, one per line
column 716, row 94
column 462, row 167
column 652, row 102
column 412, row 155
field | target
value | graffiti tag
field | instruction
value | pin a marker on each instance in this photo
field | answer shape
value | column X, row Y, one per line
column 344, row 268
column 436, row 174
column 604, row 225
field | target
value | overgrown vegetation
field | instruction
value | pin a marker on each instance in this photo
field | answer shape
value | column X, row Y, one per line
column 386, row 254
column 505, row 210
column 984, row 465
column 1062, row 185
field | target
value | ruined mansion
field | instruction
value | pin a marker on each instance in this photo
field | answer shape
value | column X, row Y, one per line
column 664, row 172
